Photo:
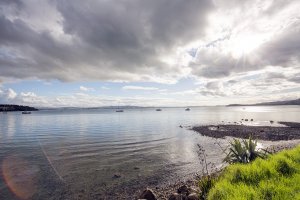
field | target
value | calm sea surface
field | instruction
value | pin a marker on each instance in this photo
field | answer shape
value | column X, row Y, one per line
column 97, row 153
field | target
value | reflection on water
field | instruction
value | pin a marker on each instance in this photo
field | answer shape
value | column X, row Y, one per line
column 10, row 126
column 86, row 154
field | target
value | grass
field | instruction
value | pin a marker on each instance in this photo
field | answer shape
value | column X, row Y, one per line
column 277, row 177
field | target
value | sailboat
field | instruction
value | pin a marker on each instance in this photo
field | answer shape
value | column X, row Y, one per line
column 119, row 110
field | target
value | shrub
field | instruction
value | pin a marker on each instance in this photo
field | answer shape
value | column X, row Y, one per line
column 244, row 152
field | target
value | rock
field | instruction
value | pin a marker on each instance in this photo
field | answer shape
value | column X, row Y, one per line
column 117, row 176
column 148, row 195
column 183, row 190
column 175, row 196
column 193, row 196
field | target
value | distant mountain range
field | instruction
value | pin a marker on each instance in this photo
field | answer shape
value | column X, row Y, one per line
column 272, row 103
column 10, row 107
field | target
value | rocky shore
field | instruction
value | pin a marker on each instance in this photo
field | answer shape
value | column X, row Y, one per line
column 290, row 131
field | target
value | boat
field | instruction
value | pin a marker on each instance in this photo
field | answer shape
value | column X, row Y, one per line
column 187, row 109
column 119, row 110
column 26, row 112
column 158, row 109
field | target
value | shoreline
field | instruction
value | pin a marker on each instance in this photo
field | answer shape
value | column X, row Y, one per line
column 277, row 138
column 163, row 193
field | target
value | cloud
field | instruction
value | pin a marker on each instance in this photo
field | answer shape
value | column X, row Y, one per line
column 295, row 78
column 99, row 40
column 86, row 89
column 249, row 37
column 255, row 87
column 225, row 46
column 132, row 87
column 7, row 95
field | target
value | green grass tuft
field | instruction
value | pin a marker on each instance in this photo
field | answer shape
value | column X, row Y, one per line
column 277, row 177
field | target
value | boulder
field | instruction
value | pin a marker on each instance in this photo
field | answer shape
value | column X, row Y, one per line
column 148, row 195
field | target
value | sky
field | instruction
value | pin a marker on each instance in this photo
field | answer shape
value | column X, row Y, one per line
column 74, row 53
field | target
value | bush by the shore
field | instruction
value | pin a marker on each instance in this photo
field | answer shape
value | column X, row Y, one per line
column 277, row 177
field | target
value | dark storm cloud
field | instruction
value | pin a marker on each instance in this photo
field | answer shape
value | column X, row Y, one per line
column 107, row 40
column 134, row 23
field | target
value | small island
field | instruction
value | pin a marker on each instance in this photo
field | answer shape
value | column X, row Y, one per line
column 11, row 107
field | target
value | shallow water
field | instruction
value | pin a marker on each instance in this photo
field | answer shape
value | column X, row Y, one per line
column 92, row 153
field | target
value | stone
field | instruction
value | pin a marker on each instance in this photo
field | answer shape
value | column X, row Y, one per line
column 193, row 196
column 148, row 194
column 183, row 190
column 117, row 176
column 175, row 196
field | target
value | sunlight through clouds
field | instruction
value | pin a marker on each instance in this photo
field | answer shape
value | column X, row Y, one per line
column 162, row 43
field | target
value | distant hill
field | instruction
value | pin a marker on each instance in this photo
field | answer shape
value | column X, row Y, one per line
column 272, row 103
column 9, row 107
